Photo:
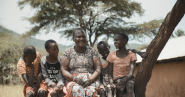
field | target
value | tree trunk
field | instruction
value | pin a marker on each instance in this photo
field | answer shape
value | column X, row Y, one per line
column 156, row 46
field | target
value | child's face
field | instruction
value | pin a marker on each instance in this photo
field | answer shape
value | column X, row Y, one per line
column 119, row 42
column 53, row 49
column 29, row 59
column 103, row 49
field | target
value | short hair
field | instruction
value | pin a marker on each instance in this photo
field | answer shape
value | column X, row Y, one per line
column 29, row 50
column 124, row 36
column 48, row 42
column 102, row 42
column 78, row 29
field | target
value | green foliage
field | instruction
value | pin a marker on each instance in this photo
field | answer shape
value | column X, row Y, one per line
column 96, row 17
column 178, row 33
column 11, row 48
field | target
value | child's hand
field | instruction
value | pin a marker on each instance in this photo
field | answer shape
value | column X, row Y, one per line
column 121, row 82
column 35, row 88
column 113, row 86
column 59, row 89
column 143, row 54
column 55, row 89
column 29, row 64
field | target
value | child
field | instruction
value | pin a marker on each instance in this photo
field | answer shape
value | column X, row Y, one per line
column 104, row 50
column 121, row 67
column 29, row 69
column 51, row 69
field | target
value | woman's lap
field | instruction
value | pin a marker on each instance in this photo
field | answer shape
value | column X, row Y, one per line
column 78, row 90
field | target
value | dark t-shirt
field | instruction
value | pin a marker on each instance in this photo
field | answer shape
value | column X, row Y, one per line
column 53, row 70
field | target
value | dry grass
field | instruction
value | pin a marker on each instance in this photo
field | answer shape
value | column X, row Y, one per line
column 11, row 91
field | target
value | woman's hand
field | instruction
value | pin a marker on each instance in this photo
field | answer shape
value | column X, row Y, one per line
column 87, row 83
column 79, row 81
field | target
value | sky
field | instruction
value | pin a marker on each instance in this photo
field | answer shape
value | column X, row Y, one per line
column 12, row 17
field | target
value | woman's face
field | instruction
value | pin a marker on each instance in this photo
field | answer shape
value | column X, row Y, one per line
column 80, row 38
column 119, row 42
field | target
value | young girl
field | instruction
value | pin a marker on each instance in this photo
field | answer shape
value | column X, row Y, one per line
column 121, row 67
column 51, row 70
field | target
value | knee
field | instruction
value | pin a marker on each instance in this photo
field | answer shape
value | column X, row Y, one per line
column 42, row 92
column 53, row 94
column 102, row 90
column 29, row 94
column 40, row 76
column 130, row 86
column 102, row 93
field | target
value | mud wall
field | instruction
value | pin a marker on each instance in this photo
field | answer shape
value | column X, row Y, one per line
column 167, row 80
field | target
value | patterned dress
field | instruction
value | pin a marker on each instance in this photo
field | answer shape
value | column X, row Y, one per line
column 81, row 66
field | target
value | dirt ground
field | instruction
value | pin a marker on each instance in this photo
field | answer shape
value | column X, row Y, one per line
column 11, row 91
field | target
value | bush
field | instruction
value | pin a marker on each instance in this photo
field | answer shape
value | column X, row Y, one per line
column 11, row 48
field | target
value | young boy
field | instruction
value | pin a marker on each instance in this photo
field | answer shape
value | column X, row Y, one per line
column 29, row 69
column 51, row 70
column 104, row 50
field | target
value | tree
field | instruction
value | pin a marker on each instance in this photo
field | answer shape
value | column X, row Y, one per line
column 156, row 46
column 96, row 17
column 178, row 33
column 11, row 48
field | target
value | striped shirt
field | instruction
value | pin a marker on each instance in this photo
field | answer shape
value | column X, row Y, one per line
column 21, row 67
column 121, row 66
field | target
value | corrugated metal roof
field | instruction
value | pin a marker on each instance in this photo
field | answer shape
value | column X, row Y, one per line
column 174, row 48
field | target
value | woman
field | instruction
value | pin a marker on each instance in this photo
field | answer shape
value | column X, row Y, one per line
column 81, row 67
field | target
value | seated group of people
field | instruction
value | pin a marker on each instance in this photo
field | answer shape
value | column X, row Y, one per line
column 79, row 72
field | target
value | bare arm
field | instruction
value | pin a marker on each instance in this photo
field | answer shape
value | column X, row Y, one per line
column 142, row 54
column 29, row 80
column 64, row 68
column 97, row 69
column 131, row 73
column 39, row 77
column 111, row 75
column 110, row 72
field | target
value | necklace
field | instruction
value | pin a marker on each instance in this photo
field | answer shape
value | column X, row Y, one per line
column 80, row 51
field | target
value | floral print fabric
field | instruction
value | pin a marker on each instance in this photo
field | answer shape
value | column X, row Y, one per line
column 81, row 66
column 80, row 62
column 80, row 91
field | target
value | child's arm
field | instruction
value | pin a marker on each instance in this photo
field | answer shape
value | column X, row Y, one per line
column 60, row 83
column 49, row 82
column 142, row 54
column 131, row 73
column 29, row 80
column 39, row 79
column 111, row 75
column 60, row 80
column 101, row 77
